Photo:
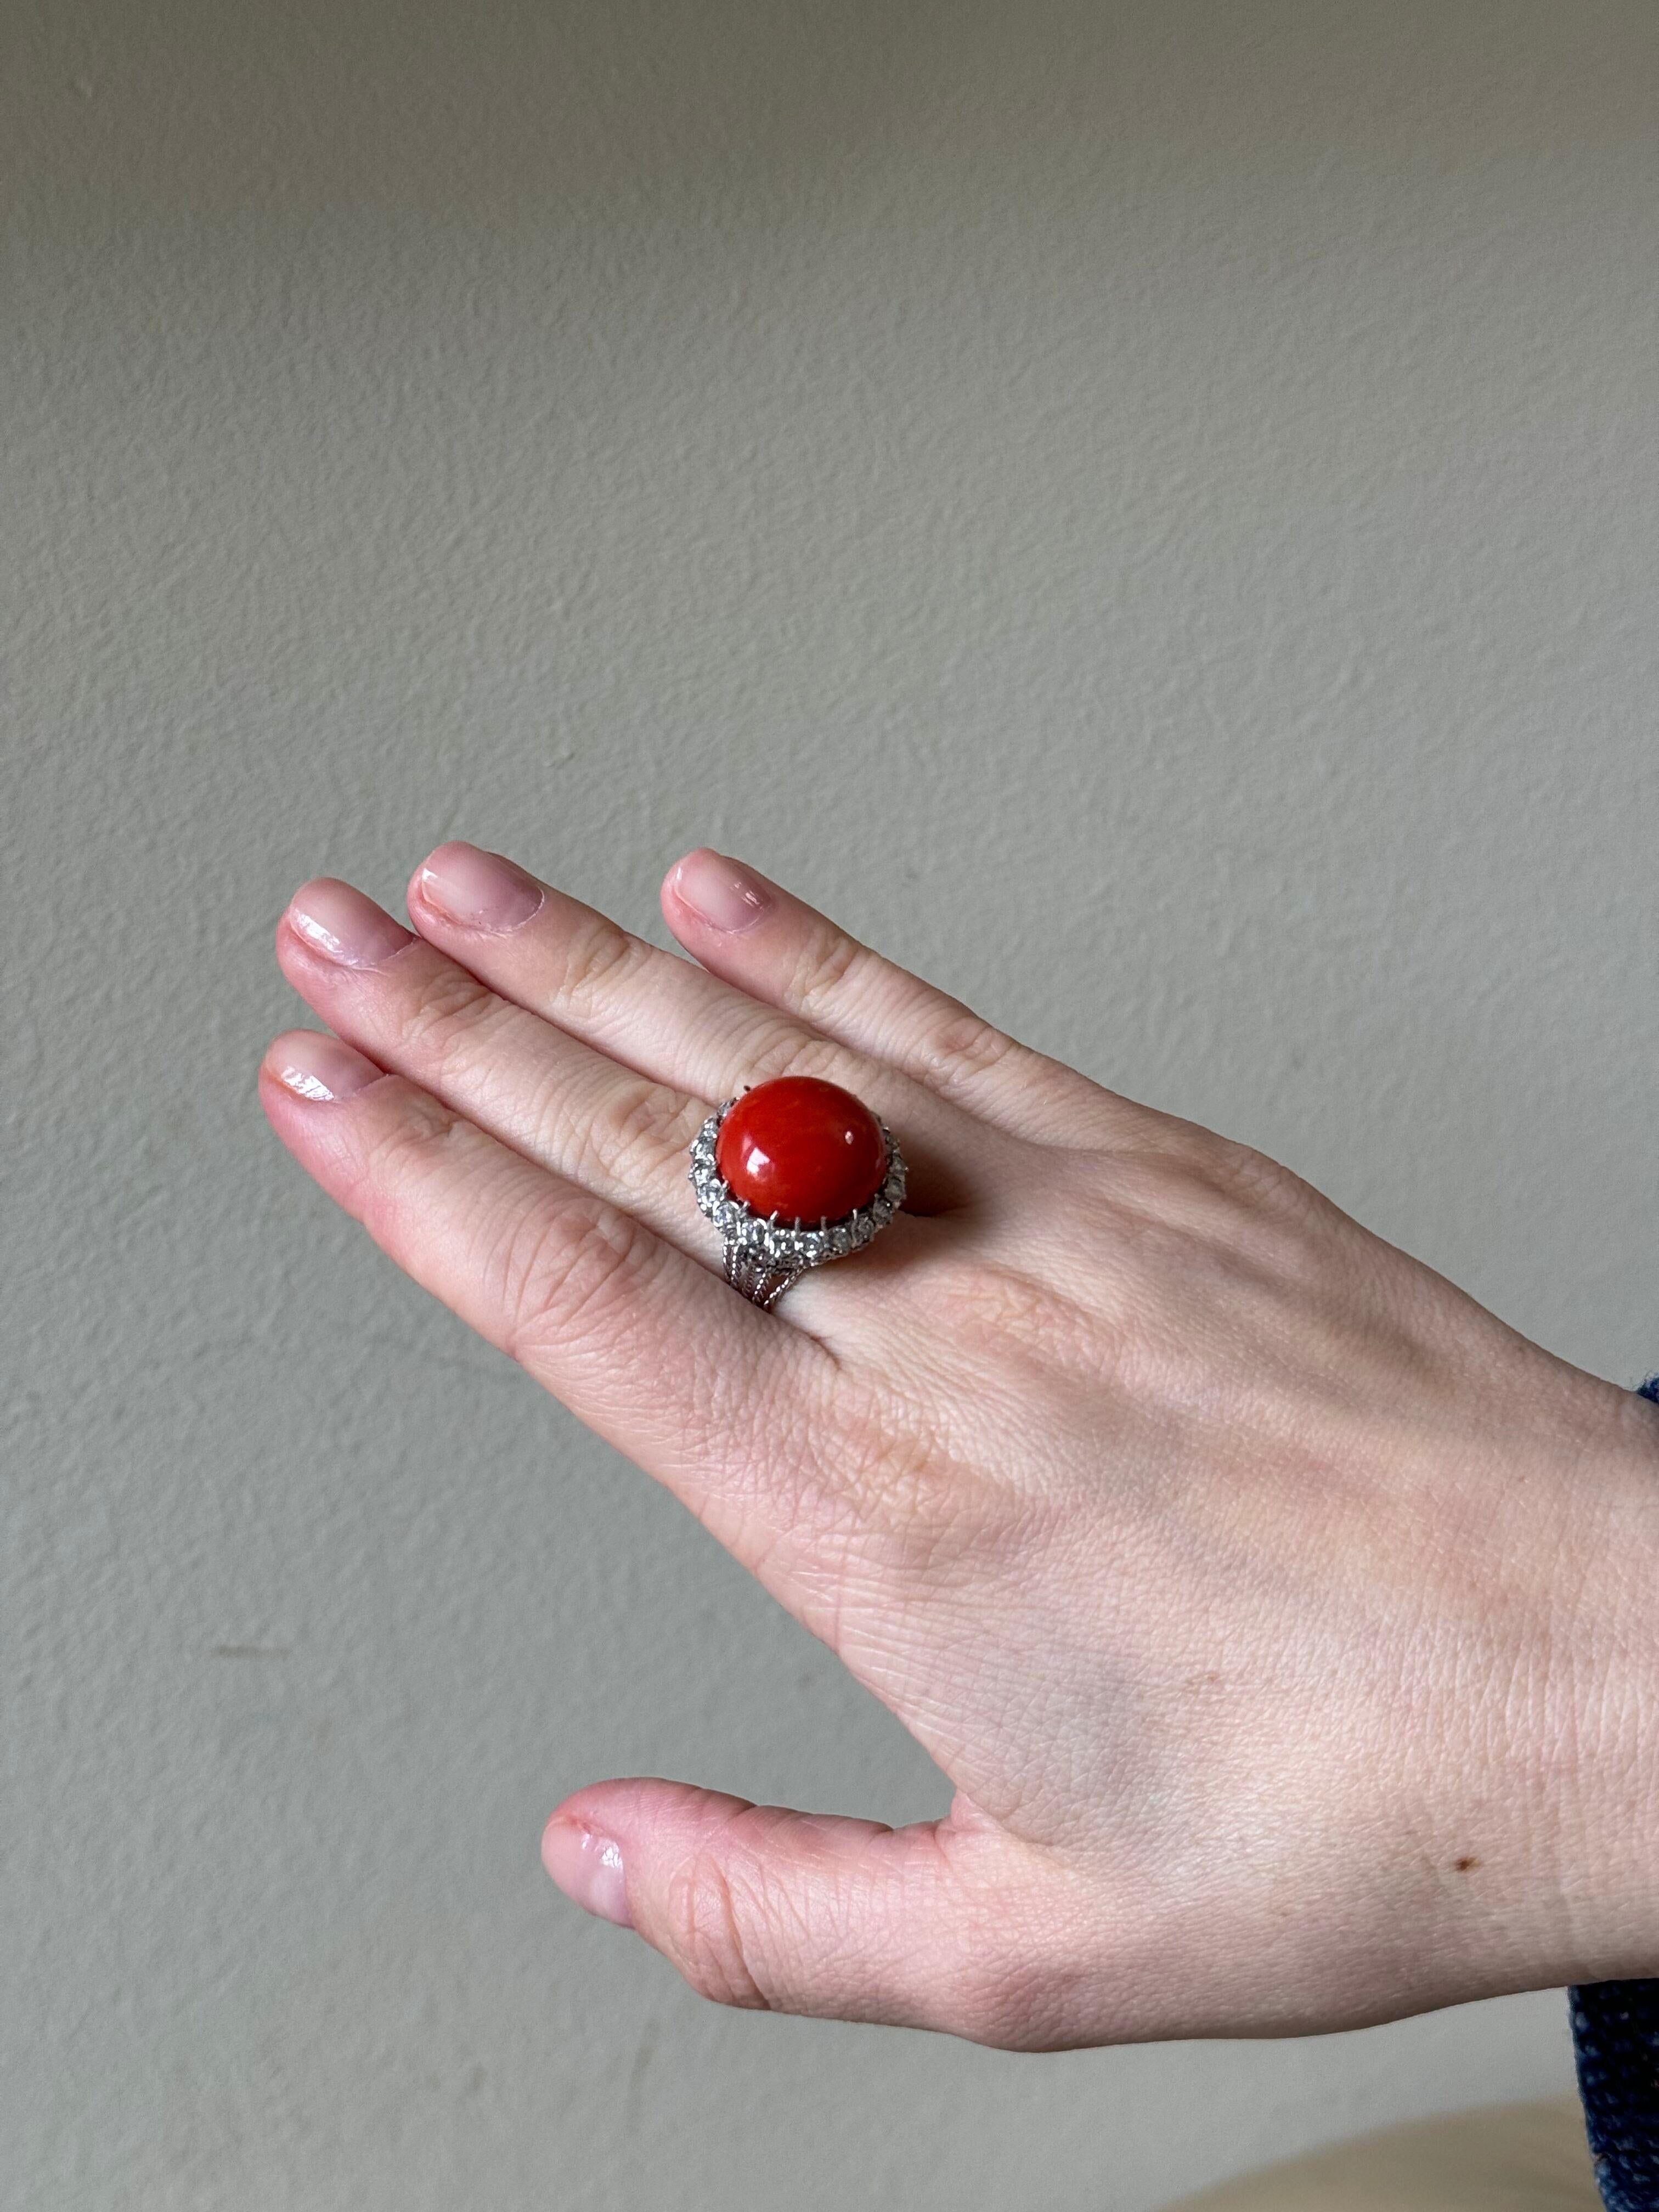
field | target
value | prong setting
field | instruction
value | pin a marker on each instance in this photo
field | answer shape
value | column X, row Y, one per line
column 757, row 1246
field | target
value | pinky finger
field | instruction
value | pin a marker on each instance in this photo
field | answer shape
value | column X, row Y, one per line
column 650, row 1349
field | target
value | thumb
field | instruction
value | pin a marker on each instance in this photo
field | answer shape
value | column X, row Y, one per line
column 806, row 1913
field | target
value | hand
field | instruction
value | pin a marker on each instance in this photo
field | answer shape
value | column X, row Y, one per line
column 1284, row 1621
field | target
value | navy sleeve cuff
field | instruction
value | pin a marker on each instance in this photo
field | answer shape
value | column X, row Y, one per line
column 1615, row 2033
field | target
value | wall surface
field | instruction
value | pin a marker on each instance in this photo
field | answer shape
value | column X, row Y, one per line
column 1144, row 510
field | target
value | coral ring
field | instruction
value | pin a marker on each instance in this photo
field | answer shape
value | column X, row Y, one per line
column 793, row 1173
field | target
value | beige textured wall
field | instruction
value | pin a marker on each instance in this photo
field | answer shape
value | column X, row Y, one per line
column 1146, row 509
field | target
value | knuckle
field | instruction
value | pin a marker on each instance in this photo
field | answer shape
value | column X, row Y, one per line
column 976, row 1300
column 827, row 958
column 565, row 1279
column 707, row 1914
column 962, row 1047
column 424, row 1141
column 1295, row 1202
column 410, row 1146
column 599, row 955
column 992, row 1312
column 639, row 1135
column 904, row 1496
column 1194, row 1230
column 442, row 1026
column 899, row 1483
column 1239, row 1170
column 1193, row 1163
column 784, row 1049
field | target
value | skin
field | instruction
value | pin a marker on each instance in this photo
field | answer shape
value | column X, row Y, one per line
column 1282, row 1620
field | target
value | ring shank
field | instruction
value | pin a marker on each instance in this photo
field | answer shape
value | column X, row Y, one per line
column 763, row 1286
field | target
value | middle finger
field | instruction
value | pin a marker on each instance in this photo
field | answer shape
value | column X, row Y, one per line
column 673, row 1021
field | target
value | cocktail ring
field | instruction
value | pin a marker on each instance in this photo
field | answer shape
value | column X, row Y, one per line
column 793, row 1173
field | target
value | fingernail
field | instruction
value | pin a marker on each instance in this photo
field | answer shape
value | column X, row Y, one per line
column 320, row 1068
column 719, row 892
column 343, row 925
column 478, row 890
column 588, row 1869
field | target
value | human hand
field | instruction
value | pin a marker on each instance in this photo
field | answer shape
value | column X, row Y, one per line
column 1282, row 1619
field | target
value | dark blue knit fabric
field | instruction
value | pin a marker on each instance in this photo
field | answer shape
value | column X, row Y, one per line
column 1615, row 2033
column 1615, row 2029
